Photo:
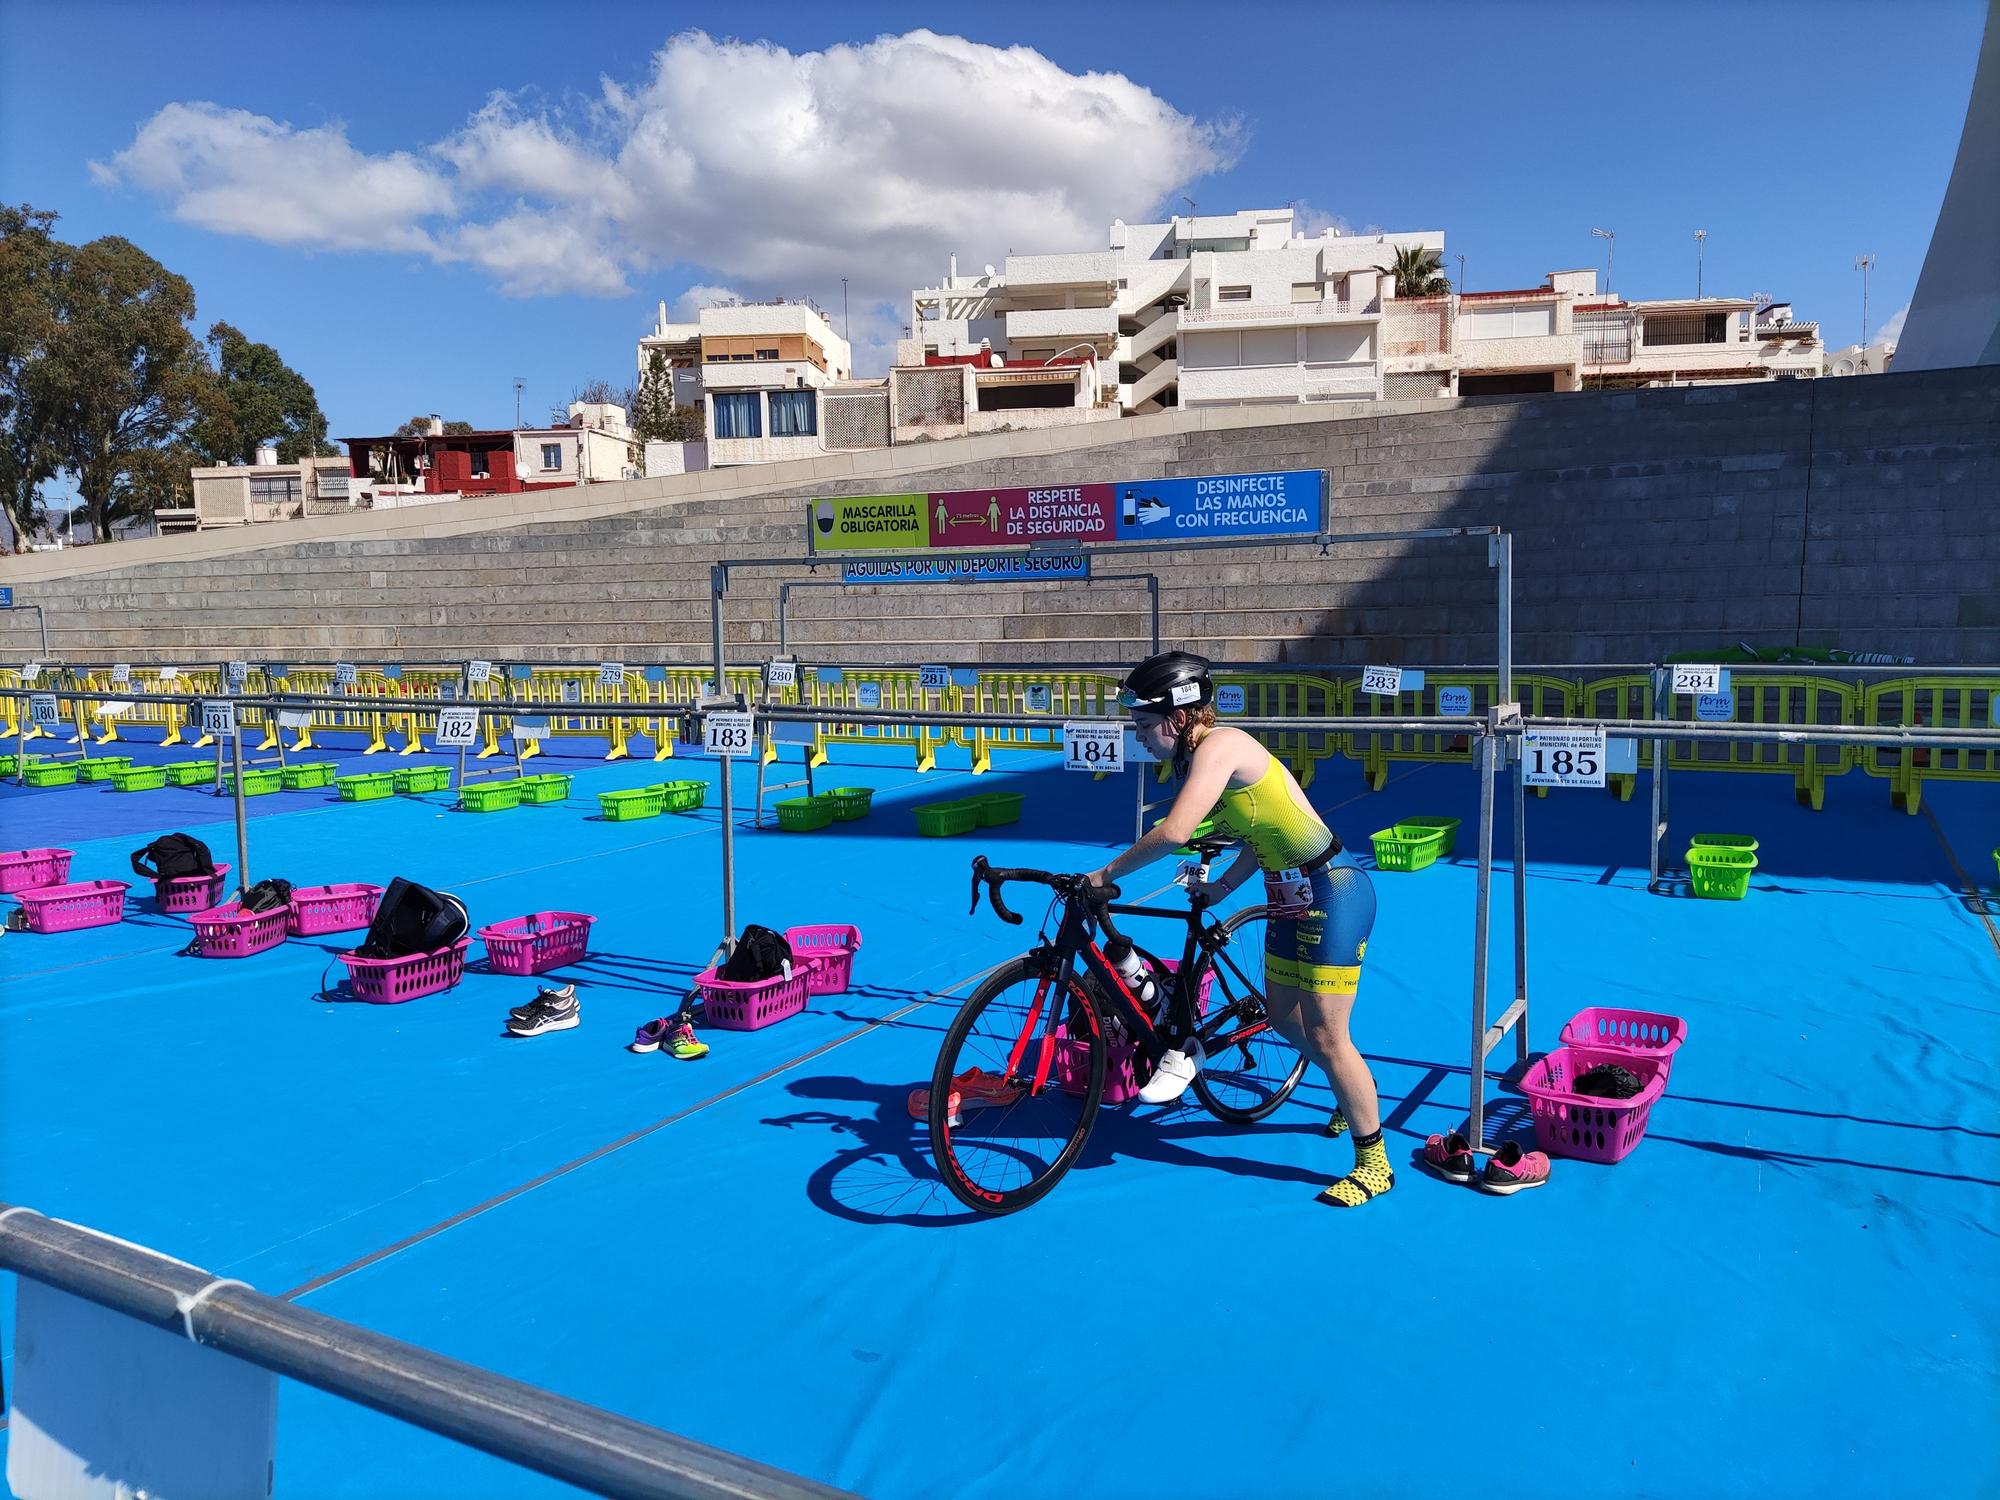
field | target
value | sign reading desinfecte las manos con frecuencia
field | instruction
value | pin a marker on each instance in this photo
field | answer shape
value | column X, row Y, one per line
column 1289, row 502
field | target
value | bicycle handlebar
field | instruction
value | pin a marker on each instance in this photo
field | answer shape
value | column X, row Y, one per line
column 1069, row 886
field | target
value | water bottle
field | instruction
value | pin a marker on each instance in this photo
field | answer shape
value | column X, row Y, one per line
column 1134, row 970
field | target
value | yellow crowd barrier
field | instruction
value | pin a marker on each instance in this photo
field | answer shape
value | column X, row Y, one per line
column 1933, row 703
column 1539, row 696
column 1774, row 698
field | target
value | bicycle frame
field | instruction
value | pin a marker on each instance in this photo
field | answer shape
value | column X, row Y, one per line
column 1076, row 943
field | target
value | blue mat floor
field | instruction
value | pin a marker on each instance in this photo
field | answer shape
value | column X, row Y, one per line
column 1776, row 1295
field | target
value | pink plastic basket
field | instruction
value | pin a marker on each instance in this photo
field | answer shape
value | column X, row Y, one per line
column 536, row 943
column 190, row 893
column 32, row 869
column 1582, row 1125
column 829, row 953
column 1071, row 1068
column 68, row 908
column 318, row 909
column 1643, row 1033
column 748, row 1005
column 231, row 932
column 391, row 981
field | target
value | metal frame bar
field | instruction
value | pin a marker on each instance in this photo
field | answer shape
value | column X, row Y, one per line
column 582, row 1445
column 1151, row 580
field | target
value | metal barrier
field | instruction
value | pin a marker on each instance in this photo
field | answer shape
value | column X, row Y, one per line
column 1962, row 702
column 1539, row 695
column 1785, row 699
column 586, row 1446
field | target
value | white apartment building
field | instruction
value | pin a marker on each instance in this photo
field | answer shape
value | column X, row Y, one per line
column 757, row 369
column 1199, row 310
column 1690, row 341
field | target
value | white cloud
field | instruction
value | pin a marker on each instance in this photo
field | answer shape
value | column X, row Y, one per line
column 688, row 306
column 778, row 172
column 1893, row 329
column 238, row 173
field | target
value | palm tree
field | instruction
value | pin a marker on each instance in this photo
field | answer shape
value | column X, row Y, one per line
column 1418, row 273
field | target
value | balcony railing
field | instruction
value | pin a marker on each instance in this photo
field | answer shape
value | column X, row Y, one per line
column 1607, row 351
column 1268, row 312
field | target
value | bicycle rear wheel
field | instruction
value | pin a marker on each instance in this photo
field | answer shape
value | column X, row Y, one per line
column 1011, row 1139
column 1251, row 1069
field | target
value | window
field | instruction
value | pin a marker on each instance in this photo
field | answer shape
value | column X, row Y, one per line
column 1306, row 291
column 794, row 414
column 1687, row 328
column 281, row 490
column 482, row 463
column 738, row 414
column 1232, row 294
column 551, row 456
column 767, row 354
column 1509, row 323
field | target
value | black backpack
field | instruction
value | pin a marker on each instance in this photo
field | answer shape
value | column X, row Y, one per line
column 268, row 895
column 759, row 954
column 414, row 918
column 173, row 855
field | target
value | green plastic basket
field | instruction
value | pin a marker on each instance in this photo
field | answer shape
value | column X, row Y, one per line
column 258, row 783
column 9, row 764
column 494, row 796
column 848, row 802
column 310, row 776
column 1743, row 841
column 682, row 796
column 997, row 809
column 943, row 820
column 805, row 814
column 141, row 779
column 539, row 791
column 1407, row 847
column 58, row 773
column 411, row 779
column 1720, row 874
column 630, row 806
column 103, row 767
column 1447, row 826
column 190, row 772
column 368, row 786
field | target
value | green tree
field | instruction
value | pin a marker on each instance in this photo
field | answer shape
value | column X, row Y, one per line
column 32, row 262
column 263, row 399
column 653, row 403
column 1418, row 273
column 418, row 426
column 128, row 376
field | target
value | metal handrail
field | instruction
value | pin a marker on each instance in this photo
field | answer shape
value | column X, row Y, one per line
column 526, row 1425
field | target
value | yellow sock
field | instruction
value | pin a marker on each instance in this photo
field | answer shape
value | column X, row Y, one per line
column 1371, row 1178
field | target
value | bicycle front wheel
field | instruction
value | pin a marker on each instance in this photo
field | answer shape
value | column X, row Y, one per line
column 1251, row 1068
column 1000, row 1138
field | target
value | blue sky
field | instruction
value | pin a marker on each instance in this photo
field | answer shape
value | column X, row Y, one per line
column 342, row 181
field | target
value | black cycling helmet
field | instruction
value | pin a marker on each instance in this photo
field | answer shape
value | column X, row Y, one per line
column 1173, row 679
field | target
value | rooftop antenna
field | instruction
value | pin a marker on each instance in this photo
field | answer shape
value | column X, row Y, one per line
column 519, row 386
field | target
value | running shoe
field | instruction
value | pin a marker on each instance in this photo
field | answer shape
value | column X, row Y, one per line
column 973, row 1089
column 1450, row 1157
column 648, row 1037
column 560, row 993
column 684, row 1045
column 1175, row 1072
column 1510, row 1169
column 547, row 1012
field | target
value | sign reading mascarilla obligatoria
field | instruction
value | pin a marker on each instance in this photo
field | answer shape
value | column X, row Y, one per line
column 869, row 523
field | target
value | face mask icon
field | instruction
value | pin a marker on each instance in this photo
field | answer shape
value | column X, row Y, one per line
column 823, row 516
